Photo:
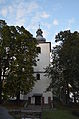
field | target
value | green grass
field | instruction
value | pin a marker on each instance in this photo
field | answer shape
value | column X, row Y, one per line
column 58, row 114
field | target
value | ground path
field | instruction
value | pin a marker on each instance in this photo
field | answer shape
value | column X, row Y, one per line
column 4, row 113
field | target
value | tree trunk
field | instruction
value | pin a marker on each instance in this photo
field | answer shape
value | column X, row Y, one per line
column 0, row 87
column 0, row 90
column 67, row 93
column 74, row 98
column 18, row 96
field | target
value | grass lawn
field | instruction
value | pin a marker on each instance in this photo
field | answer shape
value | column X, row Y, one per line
column 58, row 114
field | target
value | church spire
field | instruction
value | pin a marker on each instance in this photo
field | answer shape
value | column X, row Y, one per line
column 39, row 32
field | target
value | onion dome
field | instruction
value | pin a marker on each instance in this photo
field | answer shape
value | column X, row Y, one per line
column 39, row 36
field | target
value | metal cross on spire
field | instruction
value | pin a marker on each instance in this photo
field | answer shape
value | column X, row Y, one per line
column 39, row 25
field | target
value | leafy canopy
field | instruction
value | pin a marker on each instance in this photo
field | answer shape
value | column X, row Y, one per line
column 18, row 52
column 65, row 62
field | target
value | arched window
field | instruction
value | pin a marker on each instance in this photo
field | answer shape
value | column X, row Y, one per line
column 38, row 50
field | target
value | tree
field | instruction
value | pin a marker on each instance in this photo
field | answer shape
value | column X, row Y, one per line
column 21, row 54
column 3, row 58
column 53, row 72
column 68, row 62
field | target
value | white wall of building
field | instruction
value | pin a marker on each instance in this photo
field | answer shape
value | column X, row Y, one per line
column 42, row 84
column 44, row 57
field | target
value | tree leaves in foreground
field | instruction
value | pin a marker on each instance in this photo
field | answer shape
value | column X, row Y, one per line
column 66, row 59
column 3, row 59
column 20, row 54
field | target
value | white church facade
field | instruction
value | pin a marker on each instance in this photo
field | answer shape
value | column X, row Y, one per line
column 39, row 95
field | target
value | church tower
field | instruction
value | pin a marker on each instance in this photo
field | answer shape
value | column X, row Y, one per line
column 39, row 95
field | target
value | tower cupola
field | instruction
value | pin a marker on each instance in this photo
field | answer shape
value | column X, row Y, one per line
column 39, row 35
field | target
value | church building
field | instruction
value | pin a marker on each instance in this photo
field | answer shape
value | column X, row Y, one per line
column 39, row 95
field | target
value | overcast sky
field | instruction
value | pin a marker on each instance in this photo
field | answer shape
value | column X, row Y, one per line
column 53, row 15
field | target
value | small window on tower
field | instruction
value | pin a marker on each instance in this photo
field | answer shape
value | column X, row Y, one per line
column 38, row 50
column 38, row 76
column 38, row 59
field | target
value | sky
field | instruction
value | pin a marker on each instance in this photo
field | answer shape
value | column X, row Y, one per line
column 52, row 15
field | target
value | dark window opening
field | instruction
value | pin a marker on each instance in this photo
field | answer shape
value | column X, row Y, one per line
column 38, row 76
column 37, row 100
column 49, row 100
column 38, row 50
column 29, row 100
column 38, row 59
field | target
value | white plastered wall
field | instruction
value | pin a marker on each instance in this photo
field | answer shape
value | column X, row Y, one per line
column 42, row 84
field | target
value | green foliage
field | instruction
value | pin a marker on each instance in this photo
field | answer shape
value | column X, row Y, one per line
column 18, row 53
column 69, row 57
column 65, row 63
column 53, row 71
column 3, row 59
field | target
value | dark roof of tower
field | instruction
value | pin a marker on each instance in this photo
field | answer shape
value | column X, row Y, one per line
column 39, row 36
